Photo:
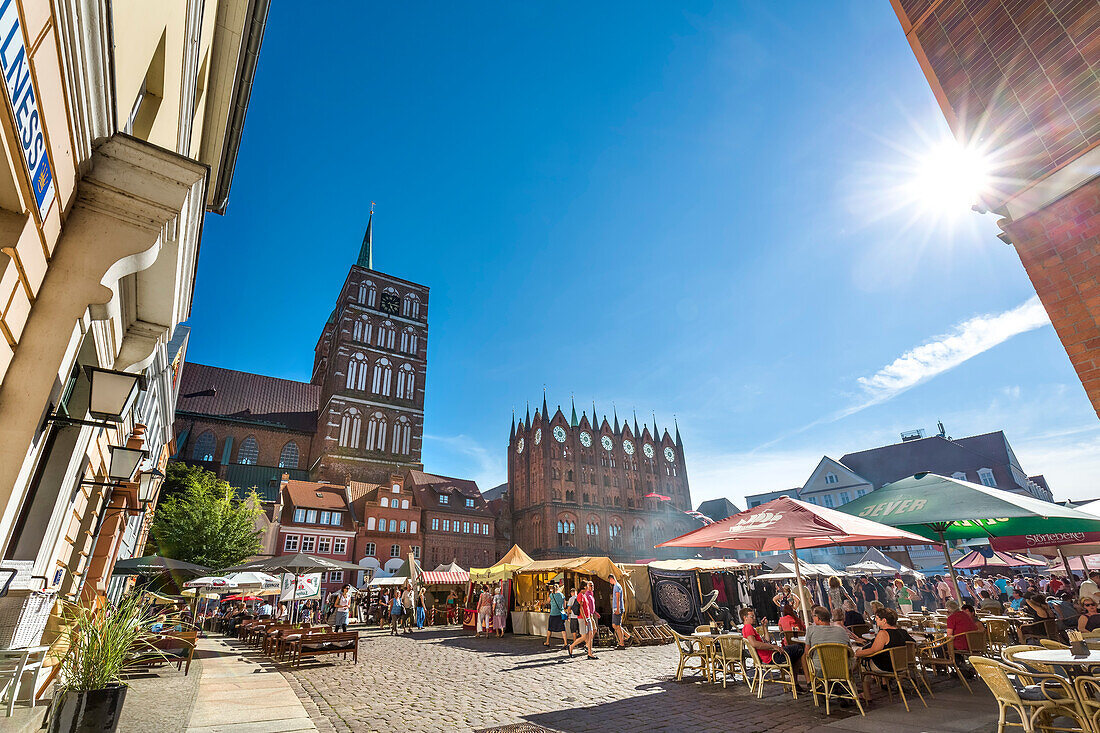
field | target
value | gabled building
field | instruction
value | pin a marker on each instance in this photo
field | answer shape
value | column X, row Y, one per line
column 458, row 525
column 390, row 527
column 317, row 519
column 718, row 509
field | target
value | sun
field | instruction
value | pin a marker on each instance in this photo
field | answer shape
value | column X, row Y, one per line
column 949, row 179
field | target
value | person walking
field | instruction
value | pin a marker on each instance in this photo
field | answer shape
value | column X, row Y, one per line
column 500, row 611
column 587, row 619
column 558, row 615
column 408, row 601
column 484, row 612
column 396, row 612
column 904, row 595
column 837, row 594
column 618, row 608
column 421, row 610
column 341, row 607
column 573, row 609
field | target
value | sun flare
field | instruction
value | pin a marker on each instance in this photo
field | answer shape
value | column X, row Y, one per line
column 949, row 179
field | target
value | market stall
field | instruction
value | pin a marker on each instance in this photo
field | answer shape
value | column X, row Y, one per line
column 680, row 588
column 499, row 573
column 440, row 583
column 532, row 594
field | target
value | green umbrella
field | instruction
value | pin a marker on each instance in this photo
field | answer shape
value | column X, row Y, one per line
column 942, row 509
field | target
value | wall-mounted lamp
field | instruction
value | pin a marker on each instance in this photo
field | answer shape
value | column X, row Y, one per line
column 122, row 466
column 110, row 397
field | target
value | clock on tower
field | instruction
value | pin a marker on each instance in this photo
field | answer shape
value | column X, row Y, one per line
column 390, row 303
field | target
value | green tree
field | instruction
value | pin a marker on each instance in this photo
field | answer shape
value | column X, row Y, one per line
column 199, row 519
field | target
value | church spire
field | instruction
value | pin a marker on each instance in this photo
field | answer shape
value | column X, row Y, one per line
column 615, row 412
column 636, row 431
column 545, row 412
column 512, row 435
column 656, row 433
column 527, row 421
column 366, row 252
column 679, row 443
column 573, row 418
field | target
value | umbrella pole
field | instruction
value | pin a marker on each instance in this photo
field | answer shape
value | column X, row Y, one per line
column 950, row 568
column 798, row 577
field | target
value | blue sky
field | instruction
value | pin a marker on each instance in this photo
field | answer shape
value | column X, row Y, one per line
column 701, row 210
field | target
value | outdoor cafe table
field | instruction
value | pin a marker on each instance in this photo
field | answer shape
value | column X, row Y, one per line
column 708, row 641
column 1063, row 658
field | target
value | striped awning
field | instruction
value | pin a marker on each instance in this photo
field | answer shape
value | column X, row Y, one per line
column 444, row 578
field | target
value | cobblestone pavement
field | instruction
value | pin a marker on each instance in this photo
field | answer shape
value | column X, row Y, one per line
column 443, row 680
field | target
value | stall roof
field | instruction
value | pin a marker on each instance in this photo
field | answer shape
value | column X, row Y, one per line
column 432, row 577
column 515, row 559
column 599, row 566
column 394, row 580
column 705, row 565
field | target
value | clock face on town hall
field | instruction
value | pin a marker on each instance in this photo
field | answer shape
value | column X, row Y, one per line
column 390, row 303
column 586, row 439
column 559, row 433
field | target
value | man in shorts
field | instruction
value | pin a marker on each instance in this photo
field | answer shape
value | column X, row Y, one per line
column 618, row 608
column 587, row 619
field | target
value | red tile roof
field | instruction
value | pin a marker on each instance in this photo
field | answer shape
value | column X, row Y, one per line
column 218, row 392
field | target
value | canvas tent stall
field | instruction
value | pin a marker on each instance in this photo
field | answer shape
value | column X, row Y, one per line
column 532, row 594
column 679, row 589
column 439, row 584
column 500, row 573
column 877, row 563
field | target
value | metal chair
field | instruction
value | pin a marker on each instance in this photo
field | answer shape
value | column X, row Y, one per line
column 941, row 654
column 898, row 672
column 830, row 666
column 780, row 663
column 15, row 664
column 691, row 649
column 1037, row 704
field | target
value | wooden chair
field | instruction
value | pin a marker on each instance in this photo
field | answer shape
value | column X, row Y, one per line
column 780, row 663
column 941, row 655
column 1037, row 705
column 690, row 649
column 704, row 629
column 860, row 629
column 898, row 673
column 177, row 647
column 788, row 636
column 729, row 658
column 830, row 667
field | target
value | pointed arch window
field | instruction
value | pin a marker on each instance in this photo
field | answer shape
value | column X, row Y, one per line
column 350, row 424
column 361, row 330
column 205, row 446
column 411, row 307
column 567, row 532
column 409, row 341
column 393, row 526
column 383, row 376
column 406, row 382
column 357, row 372
column 288, row 458
column 401, row 432
column 386, row 333
column 367, row 293
column 376, row 432
column 249, row 452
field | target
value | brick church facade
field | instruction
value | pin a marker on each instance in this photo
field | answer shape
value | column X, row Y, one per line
column 585, row 488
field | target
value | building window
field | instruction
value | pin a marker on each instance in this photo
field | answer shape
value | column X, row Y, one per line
column 830, row 478
column 350, row 423
column 411, row 307
column 324, row 545
column 986, row 477
column 340, row 546
column 367, row 293
column 336, row 576
column 827, row 500
column 446, row 525
column 384, row 502
column 393, row 525
column 383, row 376
column 615, row 533
column 477, row 528
column 386, row 333
column 435, row 524
column 406, row 382
column 395, row 489
column 357, row 372
column 466, row 528
column 395, row 550
column 415, row 551
column 404, row 527
column 485, row 529
column 412, row 527
column 369, row 550
column 404, row 503
column 370, row 522
column 325, row 516
column 861, row 492
column 308, row 543
column 205, row 445
column 959, row 475
column 401, row 433
column 361, row 330
column 444, row 499
column 409, row 341
column 845, row 497
column 376, row 432
column 592, row 529
column 290, row 544
column 337, row 519
column 288, row 458
column 567, row 532
column 249, row 452
column 311, row 516
column 470, row 502
column 299, row 515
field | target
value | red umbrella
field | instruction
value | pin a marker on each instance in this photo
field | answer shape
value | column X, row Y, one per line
column 242, row 598
column 789, row 524
column 977, row 559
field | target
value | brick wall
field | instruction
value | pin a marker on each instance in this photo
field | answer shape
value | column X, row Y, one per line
column 270, row 441
column 1059, row 246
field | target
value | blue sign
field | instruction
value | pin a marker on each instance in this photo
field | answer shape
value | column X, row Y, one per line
column 24, row 104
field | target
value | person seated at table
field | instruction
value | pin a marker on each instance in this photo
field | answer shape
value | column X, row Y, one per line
column 889, row 636
column 767, row 650
column 788, row 620
column 157, row 626
column 823, row 630
column 960, row 622
column 1017, row 599
column 1089, row 620
column 852, row 617
column 989, row 603
column 282, row 612
column 969, row 611
column 838, row 621
column 715, row 613
column 1042, row 617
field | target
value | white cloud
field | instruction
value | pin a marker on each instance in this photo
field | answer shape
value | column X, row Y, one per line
column 463, row 457
column 947, row 351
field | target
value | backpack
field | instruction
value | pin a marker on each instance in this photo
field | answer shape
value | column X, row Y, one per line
column 576, row 607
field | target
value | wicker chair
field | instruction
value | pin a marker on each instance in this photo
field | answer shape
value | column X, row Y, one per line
column 1088, row 698
column 1038, row 704
column 830, row 667
column 729, row 658
column 899, row 672
column 941, row 655
column 860, row 629
column 1000, row 635
column 780, row 663
column 1048, row 644
column 912, row 658
column 977, row 642
column 691, row 649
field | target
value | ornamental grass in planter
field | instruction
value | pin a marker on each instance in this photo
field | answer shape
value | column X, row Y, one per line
column 90, row 691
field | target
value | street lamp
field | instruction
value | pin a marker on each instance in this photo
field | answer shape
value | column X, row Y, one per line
column 148, row 484
column 110, row 396
column 124, row 463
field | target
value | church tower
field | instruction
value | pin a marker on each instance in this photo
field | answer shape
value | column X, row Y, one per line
column 371, row 364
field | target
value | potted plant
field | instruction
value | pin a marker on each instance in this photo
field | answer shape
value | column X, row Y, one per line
column 90, row 691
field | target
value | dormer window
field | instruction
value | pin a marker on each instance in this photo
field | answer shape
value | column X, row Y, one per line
column 311, row 516
column 470, row 503
column 986, row 477
column 397, row 488
column 830, row 478
column 444, row 499
column 337, row 519
column 325, row 516
column 299, row 515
